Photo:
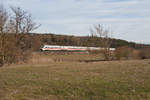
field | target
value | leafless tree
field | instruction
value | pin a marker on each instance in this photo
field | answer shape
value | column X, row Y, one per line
column 105, row 39
column 3, row 33
column 29, row 25
column 20, row 22
column 3, row 19
column 23, row 21
column 10, row 26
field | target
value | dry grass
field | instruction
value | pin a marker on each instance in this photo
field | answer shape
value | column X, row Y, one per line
column 43, row 58
column 115, row 80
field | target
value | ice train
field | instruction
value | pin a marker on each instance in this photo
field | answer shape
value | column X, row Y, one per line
column 70, row 48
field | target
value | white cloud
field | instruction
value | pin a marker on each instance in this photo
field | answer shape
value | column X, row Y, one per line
column 129, row 19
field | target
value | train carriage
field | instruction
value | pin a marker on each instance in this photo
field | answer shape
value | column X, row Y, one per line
column 57, row 48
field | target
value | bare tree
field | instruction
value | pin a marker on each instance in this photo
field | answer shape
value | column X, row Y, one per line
column 18, row 17
column 10, row 26
column 29, row 25
column 105, row 39
column 3, row 32
column 23, row 21
column 3, row 19
column 20, row 22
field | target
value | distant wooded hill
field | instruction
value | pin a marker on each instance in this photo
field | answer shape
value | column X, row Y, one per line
column 19, row 46
column 35, row 41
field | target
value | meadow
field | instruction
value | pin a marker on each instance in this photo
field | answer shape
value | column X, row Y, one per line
column 54, row 79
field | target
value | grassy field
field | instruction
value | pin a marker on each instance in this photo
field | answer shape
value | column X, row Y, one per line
column 114, row 80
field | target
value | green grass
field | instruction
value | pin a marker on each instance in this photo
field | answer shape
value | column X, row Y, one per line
column 116, row 80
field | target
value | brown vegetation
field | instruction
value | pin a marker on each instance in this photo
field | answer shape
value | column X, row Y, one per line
column 115, row 80
column 11, row 44
column 16, row 44
column 144, row 53
column 123, row 52
column 105, row 40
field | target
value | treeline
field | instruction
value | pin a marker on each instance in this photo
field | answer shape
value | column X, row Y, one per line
column 53, row 39
column 19, row 46
column 17, row 41
column 33, row 41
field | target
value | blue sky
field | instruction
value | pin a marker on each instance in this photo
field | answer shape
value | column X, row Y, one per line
column 127, row 19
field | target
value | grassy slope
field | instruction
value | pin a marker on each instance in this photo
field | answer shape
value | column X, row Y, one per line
column 122, row 80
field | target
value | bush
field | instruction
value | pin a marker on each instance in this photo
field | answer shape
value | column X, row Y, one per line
column 144, row 53
column 13, row 53
column 124, row 53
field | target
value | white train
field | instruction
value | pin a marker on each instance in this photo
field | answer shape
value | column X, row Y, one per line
column 70, row 48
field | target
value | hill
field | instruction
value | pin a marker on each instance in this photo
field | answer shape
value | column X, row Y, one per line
column 35, row 41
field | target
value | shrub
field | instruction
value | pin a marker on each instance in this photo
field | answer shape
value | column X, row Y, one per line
column 144, row 53
column 124, row 52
